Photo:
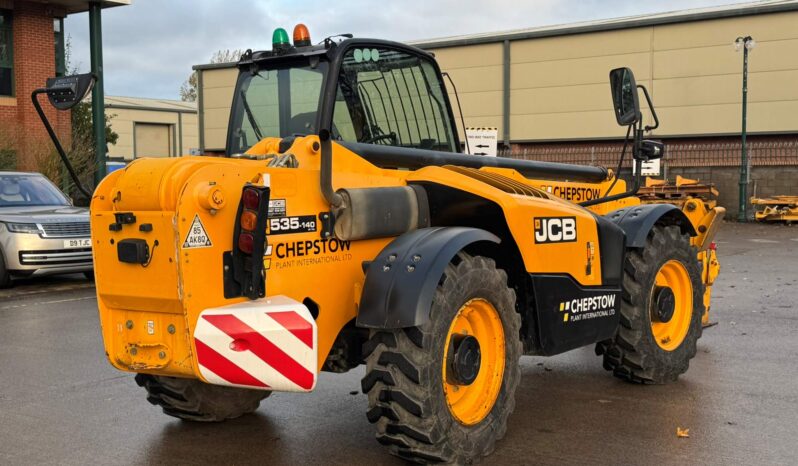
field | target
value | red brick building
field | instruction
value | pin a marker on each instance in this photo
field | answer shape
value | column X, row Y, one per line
column 32, row 50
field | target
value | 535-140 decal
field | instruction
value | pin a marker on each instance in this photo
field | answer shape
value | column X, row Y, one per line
column 287, row 225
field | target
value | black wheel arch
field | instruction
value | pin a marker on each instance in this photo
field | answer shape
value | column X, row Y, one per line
column 401, row 281
column 637, row 221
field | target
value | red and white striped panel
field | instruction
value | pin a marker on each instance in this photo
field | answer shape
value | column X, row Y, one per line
column 269, row 344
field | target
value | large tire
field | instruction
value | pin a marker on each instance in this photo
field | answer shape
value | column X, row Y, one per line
column 5, row 276
column 648, row 348
column 405, row 381
column 194, row 400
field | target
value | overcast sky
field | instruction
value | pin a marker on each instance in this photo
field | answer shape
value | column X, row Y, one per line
column 150, row 46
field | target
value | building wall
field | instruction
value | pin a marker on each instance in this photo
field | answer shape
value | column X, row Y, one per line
column 34, row 61
column 216, row 98
column 123, row 121
column 559, row 85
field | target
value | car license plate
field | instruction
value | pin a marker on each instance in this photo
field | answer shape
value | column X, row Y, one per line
column 77, row 243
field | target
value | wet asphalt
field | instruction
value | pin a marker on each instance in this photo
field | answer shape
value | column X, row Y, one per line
column 62, row 403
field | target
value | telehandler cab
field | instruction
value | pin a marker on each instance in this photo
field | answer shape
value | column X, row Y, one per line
column 345, row 227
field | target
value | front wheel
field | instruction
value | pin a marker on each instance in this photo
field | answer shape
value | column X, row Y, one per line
column 442, row 392
column 5, row 276
column 661, row 310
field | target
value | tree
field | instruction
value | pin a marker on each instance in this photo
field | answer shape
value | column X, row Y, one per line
column 82, row 128
column 188, row 90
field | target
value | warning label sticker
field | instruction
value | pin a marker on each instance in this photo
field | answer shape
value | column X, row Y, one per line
column 197, row 236
column 276, row 208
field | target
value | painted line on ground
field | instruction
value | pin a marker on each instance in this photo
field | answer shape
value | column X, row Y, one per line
column 42, row 303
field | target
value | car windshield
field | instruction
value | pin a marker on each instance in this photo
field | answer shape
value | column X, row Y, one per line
column 29, row 190
column 278, row 101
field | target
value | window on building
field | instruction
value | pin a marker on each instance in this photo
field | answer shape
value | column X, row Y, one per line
column 6, row 54
column 60, row 47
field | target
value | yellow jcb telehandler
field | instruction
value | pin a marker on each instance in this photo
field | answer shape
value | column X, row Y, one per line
column 345, row 228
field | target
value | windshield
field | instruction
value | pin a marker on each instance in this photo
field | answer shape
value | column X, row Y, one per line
column 29, row 190
column 278, row 101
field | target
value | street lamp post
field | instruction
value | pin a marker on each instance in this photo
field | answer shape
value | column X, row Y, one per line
column 745, row 44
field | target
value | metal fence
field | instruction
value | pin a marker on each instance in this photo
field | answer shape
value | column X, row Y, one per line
column 768, row 153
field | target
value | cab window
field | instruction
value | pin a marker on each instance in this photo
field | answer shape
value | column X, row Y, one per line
column 391, row 97
column 275, row 102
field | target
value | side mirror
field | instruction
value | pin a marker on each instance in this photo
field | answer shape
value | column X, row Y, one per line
column 624, row 96
column 67, row 91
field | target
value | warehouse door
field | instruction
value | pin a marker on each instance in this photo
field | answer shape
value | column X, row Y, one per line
column 153, row 140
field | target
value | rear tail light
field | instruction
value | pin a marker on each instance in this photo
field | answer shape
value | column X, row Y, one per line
column 249, row 220
column 244, row 274
column 713, row 246
column 250, row 199
column 246, row 242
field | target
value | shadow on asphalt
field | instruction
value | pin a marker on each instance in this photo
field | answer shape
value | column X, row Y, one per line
column 48, row 284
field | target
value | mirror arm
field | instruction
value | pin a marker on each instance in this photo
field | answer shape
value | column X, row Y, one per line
column 636, row 167
column 651, row 107
column 34, row 97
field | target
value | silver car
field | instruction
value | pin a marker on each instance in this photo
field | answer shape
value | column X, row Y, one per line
column 41, row 233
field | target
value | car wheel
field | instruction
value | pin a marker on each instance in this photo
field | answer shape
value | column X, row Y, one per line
column 5, row 276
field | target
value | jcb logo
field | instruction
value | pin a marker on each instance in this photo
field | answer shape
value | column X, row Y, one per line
column 555, row 230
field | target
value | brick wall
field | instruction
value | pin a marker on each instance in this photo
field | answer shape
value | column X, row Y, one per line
column 34, row 62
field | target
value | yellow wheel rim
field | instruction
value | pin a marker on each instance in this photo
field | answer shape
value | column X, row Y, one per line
column 470, row 404
column 670, row 334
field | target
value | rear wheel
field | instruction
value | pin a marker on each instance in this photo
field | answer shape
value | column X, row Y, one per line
column 442, row 392
column 194, row 400
column 661, row 310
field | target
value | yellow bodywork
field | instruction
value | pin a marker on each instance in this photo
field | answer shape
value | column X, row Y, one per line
column 148, row 313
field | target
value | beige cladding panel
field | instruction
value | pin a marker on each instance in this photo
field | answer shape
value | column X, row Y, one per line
column 588, row 97
column 589, row 70
column 452, row 58
column 190, row 133
column 597, row 44
column 594, row 124
column 223, row 77
column 726, row 118
column 476, row 78
column 722, row 59
column 723, row 31
column 723, row 89
column 217, row 97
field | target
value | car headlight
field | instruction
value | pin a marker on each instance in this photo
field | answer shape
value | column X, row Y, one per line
column 22, row 227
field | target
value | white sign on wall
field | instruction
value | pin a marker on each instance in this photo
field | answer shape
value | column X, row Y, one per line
column 482, row 141
column 650, row 168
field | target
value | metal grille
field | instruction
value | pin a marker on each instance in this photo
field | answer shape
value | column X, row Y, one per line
column 65, row 230
column 56, row 257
